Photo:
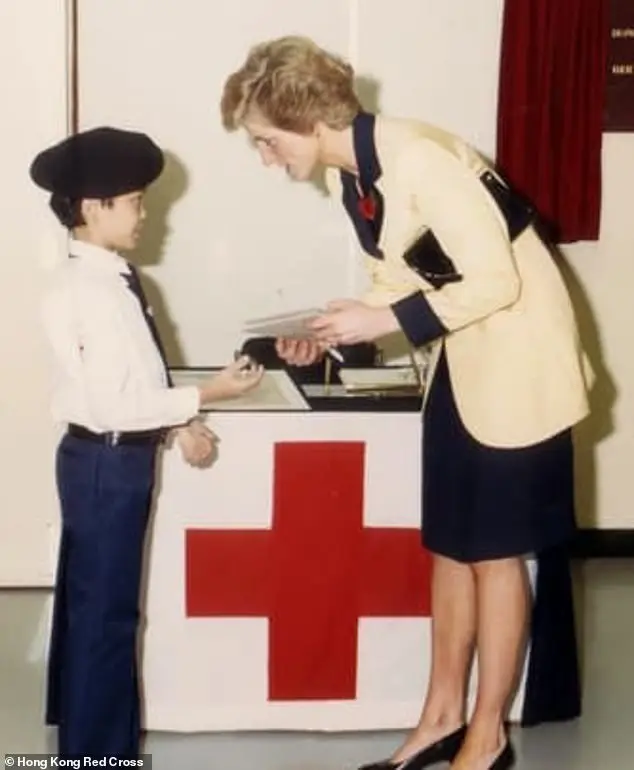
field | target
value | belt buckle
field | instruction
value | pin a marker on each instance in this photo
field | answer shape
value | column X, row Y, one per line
column 114, row 438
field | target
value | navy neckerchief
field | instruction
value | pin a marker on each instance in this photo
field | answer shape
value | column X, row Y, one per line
column 368, row 226
column 133, row 283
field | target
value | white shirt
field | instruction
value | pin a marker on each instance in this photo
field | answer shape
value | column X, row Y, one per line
column 109, row 375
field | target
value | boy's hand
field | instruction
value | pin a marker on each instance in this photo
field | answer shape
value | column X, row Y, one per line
column 198, row 428
column 234, row 380
column 197, row 444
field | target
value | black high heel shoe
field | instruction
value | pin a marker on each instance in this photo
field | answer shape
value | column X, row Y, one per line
column 443, row 750
column 506, row 759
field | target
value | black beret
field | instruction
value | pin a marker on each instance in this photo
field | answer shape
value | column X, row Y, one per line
column 99, row 163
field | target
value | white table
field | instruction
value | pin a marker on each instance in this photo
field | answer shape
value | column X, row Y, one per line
column 287, row 587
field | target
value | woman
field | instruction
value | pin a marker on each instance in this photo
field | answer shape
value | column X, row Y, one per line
column 454, row 261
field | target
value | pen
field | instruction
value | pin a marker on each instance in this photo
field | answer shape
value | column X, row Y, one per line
column 335, row 354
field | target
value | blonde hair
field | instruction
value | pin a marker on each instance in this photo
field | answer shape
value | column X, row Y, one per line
column 293, row 84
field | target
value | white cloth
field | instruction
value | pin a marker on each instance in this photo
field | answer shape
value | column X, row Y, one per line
column 108, row 373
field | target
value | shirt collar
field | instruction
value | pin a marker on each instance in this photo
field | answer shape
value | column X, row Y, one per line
column 363, row 127
column 97, row 257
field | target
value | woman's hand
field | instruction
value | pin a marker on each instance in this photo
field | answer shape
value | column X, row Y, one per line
column 349, row 321
column 298, row 352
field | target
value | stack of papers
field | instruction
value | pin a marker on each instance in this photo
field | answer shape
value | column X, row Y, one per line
column 276, row 392
column 377, row 379
column 294, row 324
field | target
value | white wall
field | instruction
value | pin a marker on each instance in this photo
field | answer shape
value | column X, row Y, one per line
column 32, row 84
column 241, row 242
column 244, row 242
column 601, row 280
column 233, row 240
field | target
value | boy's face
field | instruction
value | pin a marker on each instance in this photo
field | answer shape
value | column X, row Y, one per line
column 115, row 223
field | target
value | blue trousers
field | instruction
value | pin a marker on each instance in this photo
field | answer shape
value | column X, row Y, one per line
column 93, row 697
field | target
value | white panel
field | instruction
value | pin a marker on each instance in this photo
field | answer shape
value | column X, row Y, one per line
column 193, row 692
column 33, row 88
column 385, row 461
column 384, row 645
column 232, row 240
column 436, row 61
column 601, row 276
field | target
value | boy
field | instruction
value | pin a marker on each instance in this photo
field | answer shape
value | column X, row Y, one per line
column 112, row 390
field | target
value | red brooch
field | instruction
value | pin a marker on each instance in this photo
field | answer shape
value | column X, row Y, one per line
column 367, row 206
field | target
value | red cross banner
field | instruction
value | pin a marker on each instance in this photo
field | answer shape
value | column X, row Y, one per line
column 287, row 585
column 314, row 574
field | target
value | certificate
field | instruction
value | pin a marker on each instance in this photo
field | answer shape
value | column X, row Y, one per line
column 379, row 378
column 294, row 325
column 275, row 392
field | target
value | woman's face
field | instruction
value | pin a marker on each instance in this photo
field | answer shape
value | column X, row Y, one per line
column 298, row 154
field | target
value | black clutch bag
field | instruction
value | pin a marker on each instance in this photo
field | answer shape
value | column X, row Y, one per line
column 426, row 256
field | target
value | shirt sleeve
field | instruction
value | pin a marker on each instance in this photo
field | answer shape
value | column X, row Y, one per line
column 454, row 205
column 87, row 336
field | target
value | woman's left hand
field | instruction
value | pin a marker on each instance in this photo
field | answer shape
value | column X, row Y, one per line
column 349, row 321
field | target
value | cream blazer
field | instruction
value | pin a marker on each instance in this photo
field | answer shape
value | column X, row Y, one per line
column 517, row 368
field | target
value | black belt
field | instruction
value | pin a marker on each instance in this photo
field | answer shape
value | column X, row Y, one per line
column 113, row 438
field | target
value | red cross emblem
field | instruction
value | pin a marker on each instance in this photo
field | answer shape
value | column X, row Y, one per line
column 314, row 574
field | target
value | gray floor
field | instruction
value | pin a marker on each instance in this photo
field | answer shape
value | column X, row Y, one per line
column 602, row 740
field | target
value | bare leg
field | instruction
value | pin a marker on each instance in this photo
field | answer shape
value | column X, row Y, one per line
column 453, row 637
column 502, row 607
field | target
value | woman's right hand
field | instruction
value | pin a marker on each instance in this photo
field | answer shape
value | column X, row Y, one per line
column 298, row 352
column 232, row 381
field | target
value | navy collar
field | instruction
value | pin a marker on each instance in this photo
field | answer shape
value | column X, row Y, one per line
column 368, row 164
column 369, row 171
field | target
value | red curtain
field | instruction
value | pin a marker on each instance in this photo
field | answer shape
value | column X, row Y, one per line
column 553, row 69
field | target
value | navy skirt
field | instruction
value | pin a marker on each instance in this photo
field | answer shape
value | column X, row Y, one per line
column 481, row 502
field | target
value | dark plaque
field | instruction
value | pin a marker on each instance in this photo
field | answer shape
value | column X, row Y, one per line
column 619, row 113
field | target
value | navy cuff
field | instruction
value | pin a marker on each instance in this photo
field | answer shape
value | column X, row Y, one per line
column 417, row 319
